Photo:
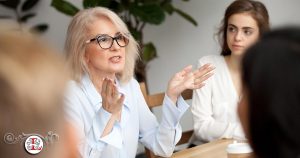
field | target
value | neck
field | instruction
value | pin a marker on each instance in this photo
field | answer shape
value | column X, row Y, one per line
column 234, row 63
column 97, row 79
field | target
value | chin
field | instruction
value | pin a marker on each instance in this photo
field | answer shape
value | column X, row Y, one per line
column 238, row 52
column 118, row 69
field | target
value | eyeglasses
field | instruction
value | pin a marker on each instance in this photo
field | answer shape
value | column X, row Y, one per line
column 106, row 41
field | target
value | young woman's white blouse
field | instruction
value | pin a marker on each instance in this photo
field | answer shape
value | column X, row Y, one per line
column 214, row 106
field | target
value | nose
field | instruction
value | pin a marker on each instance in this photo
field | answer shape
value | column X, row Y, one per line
column 115, row 45
column 238, row 36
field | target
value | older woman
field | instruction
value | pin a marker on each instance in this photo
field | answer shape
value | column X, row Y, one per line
column 105, row 102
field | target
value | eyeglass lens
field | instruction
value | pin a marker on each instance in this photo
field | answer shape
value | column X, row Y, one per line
column 106, row 41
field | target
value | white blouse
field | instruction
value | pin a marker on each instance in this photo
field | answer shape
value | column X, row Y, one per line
column 214, row 106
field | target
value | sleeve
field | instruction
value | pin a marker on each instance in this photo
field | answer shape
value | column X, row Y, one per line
column 160, row 138
column 206, row 128
column 90, row 142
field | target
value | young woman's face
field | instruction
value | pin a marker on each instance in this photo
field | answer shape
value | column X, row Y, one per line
column 105, row 61
column 242, row 31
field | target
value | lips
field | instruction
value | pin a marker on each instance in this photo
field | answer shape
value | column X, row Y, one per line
column 115, row 59
column 237, row 46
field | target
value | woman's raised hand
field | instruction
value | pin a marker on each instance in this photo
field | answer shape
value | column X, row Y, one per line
column 188, row 79
column 112, row 101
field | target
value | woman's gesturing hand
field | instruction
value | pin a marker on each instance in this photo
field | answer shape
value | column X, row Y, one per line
column 112, row 101
column 186, row 79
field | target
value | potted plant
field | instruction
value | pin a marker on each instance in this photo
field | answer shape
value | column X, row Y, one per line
column 136, row 14
column 22, row 13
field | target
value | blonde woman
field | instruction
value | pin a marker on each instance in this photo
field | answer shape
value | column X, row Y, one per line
column 105, row 102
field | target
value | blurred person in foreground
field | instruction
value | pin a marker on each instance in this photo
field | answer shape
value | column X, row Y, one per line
column 270, row 109
column 32, row 86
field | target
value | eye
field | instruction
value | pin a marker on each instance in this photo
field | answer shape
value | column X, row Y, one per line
column 120, row 37
column 231, row 29
column 103, row 39
column 248, row 32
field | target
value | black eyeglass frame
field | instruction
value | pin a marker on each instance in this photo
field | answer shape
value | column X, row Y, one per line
column 126, row 36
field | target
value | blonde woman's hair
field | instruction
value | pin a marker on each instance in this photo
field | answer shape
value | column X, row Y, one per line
column 32, row 81
column 78, row 33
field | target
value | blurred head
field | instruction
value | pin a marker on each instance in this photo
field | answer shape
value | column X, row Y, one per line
column 270, row 110
column 32, row 81
column 88, row 50
column 243, row 23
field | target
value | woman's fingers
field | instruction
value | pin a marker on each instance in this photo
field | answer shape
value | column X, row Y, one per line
column 197, row 78
column 115, row 92
column 109, row 89
column 104, row 87
column 197, row 86
column 188, row 69
column 112, row 102
column 185, row 70
column 121, row 100
column 201, row 79
column 203, row 70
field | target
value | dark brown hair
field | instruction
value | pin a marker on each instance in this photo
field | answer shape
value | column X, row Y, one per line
column 274, row 106
column 256, row 9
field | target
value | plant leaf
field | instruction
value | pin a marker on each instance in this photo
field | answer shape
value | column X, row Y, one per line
column 64, row 7
column 89, row 3
column 149, row 52
column 168, row 8
column 94, row 3
column 27, row 16
column 116, row 6
column 12, row 4
column 136, row 34
column 186, row 16
column 40, row 28
column 28, row 4
column 104, row 3
column 150, row 13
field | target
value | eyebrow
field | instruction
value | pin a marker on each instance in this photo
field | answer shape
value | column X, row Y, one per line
column 118, row 33
column 244, row 28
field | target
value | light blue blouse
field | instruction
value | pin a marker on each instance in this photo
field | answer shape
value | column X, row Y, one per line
column 84, row 110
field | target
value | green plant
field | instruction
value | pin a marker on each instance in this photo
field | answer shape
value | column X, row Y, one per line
column 136, row 14
column 23, row 13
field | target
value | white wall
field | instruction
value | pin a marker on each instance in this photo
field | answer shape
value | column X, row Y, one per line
column 178, row 42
